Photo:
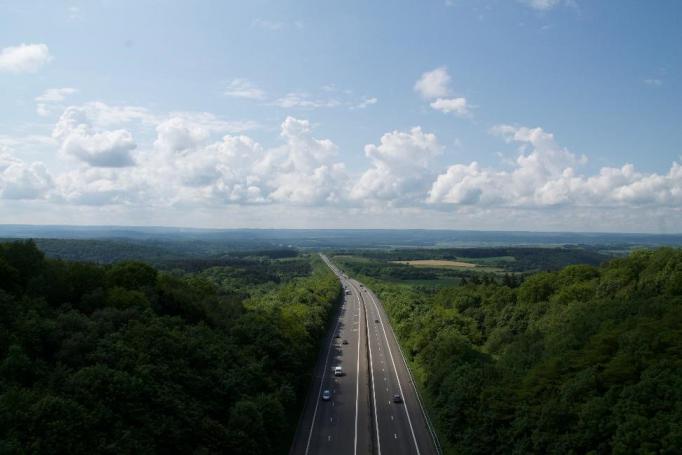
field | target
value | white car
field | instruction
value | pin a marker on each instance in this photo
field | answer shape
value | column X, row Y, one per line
column 338, row 371
column 326, row 395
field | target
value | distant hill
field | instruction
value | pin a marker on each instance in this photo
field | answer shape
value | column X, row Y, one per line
column 335, row 238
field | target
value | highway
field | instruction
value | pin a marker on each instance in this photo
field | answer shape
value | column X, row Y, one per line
column 362, row 416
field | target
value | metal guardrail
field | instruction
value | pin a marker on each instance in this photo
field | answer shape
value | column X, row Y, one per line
column 429, row 424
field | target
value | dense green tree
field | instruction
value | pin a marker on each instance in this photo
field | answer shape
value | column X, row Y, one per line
column 127, row 359
column 582, row 360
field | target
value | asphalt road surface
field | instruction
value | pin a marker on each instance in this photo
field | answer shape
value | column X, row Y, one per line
column 362, row 416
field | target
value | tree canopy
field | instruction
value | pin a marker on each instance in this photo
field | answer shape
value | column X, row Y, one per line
column 127, row 359
column 582, row 360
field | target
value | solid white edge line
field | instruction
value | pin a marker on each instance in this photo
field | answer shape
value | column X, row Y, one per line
column 357, row 382
column 381, row 321
column 324, row 375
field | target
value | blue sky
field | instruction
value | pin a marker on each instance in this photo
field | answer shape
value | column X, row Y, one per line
column 462, row 114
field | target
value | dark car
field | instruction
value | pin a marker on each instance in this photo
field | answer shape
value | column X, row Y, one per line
column 376, row 320
column 397, row 398
column 345, row 341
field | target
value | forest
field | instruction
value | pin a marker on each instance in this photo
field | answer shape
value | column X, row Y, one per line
column 586, row 359
column 126, row 358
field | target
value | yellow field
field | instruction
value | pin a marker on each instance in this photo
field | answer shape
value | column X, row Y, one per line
column 438, row 263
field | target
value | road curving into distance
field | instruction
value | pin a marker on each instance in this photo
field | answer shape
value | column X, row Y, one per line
column 362, row 415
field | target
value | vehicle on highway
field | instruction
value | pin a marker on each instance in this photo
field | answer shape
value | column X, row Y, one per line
column 345, row 341
column 326, row 395
column 397, row 398
column 338, row 371
column 347, row 292
column 376, row 320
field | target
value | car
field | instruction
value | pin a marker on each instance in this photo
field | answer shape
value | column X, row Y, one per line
column 345, row 341
column 338, row 335
column 326, row 395
column 376, row 320
column 397, row 398
column 338, row 371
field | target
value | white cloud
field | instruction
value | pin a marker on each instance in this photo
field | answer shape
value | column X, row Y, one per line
column 267, row 24
column 243, row 88
column 104, row 186
column 305, row 101
column 103, row 115
column 19, row 180
column 433, row 84
column 47, row 102
column 25, row 181
column 24, row 58
column 53, row 95
column 304, row 170
column 100, row 148
column 369, row 101
column 401, row 167
column 238, row 170
column 458, row 106
column 542, row 5
column 544, row 175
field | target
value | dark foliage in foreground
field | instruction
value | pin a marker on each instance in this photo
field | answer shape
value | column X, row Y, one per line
column 583, row 360
column 125, row 359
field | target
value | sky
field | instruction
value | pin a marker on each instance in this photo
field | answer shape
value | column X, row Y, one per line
column 541, row 115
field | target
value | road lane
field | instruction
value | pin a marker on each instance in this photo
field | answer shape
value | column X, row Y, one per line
column 423, row 435
column 340, row 425
column 361, row 417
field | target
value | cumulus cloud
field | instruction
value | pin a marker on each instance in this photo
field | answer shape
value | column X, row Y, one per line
column 24, row 58
column 401, row 166
column 104, row 186
column 304, row 171
column 19, row 180
column 237, row 169
column 100, row 148
column 544, row 175
column 435, row 85
column 243, row 88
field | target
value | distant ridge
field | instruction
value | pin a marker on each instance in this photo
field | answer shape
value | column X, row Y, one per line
column 321, row 238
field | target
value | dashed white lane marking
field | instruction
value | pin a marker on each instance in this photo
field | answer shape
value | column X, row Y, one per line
column 395, row 370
